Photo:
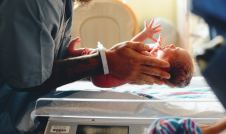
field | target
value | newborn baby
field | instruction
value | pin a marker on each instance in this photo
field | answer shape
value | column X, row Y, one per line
column 181, row 68
column 181, row 65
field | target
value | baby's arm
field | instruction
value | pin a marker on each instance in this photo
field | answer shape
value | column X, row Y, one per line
column 148, row 32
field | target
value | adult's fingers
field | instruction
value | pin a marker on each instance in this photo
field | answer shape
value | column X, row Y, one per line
column 137, row 46
column 147, row 79
column 153, row 71
column 146, row 53
column 151, row 79
column 155, row 62
column 140, row 83
column 154, row 49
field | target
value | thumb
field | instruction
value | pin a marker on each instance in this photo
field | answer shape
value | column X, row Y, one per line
column 73, row 44
column 138, row 46
column 76, row 40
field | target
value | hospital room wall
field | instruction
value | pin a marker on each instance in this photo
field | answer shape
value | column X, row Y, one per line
column 145, row 9
column 174, row 11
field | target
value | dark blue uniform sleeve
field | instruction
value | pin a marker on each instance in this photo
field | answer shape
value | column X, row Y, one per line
column 215, row 74
column 213, row 11
column 30, row 34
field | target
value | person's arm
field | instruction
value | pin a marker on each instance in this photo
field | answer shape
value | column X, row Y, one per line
column 71, row 69
column 125, row 61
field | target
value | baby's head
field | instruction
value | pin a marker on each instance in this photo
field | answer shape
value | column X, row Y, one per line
column 181, row 65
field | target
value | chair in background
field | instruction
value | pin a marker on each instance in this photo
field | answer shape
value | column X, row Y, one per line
column 107, row 21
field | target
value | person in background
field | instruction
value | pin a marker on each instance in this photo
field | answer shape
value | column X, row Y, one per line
column 181, row 65
column 213, row 12
column 34, row 36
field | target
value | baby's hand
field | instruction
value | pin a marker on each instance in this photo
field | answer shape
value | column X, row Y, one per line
column 150, row 30
column 72, row 51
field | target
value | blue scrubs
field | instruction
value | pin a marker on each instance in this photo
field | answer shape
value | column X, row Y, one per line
column 214, row 13
column 33, row 33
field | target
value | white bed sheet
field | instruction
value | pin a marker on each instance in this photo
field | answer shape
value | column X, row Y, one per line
column 195, row 101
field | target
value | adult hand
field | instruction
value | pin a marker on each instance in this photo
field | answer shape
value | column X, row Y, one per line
column 99, row 80
column 126, row 61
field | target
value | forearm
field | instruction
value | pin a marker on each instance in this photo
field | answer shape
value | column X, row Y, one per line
column 71, row 69
column 140, row 37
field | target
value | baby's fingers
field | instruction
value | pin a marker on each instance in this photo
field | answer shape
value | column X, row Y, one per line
column 145, row 24
column 157, row 28
column 151, row 23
